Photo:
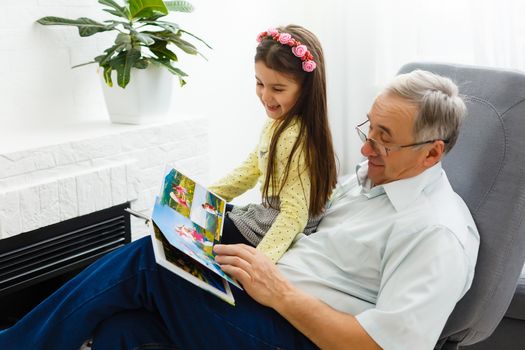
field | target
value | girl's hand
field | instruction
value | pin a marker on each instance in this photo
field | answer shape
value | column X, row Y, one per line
column 254, row 271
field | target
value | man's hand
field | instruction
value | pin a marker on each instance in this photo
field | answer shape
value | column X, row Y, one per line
column 254, row 271
column 328, row 328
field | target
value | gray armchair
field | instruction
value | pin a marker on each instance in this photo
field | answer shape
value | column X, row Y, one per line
column 487, row 168
column 510, row 333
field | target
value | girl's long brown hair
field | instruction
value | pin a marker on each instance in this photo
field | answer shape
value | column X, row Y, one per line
column 315, row 138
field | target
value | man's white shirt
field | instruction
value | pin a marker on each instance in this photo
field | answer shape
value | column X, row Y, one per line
column 397, row 256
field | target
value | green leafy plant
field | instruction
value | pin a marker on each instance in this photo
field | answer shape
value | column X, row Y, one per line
column 142, row 37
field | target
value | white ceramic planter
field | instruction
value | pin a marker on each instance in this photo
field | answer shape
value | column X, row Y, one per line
column 146, row 99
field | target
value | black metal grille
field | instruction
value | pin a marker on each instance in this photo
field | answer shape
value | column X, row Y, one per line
column 35, row 256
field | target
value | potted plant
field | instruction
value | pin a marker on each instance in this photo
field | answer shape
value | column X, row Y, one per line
column 141, row 57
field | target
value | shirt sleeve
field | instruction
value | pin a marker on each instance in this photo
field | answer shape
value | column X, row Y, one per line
column 420, row 285
column 294, row 198
column 241, row 179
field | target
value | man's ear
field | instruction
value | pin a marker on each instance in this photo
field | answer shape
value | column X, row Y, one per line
column 434, row 153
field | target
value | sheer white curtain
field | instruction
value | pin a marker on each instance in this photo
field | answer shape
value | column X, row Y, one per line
column 379, row 36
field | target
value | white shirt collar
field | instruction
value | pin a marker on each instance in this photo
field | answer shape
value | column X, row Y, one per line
column 401, row 193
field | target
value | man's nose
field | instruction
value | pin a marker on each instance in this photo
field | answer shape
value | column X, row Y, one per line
column 368, row 150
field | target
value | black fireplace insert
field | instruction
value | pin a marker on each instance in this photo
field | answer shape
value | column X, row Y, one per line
column 34, row 264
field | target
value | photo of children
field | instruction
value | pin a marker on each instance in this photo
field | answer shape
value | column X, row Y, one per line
column 207, row 211
column 177, row 192
column 194, row 202
column 184, row 262
column 186, row 236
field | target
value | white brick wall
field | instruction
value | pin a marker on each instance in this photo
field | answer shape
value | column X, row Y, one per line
column 46, row 185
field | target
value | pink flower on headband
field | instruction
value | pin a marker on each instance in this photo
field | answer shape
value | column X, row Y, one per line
column 272, row 32
column 309, row 66
column 284, row 38
column 299, row 50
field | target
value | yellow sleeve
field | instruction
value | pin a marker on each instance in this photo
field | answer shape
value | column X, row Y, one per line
column 294, row 198
column 241, row 179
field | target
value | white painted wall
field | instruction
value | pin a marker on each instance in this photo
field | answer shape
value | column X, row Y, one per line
column 43, row 100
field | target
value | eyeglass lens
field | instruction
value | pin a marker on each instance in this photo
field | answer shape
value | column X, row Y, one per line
column 363, row 135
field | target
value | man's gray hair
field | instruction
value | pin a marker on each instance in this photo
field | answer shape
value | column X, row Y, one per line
column 440, row 109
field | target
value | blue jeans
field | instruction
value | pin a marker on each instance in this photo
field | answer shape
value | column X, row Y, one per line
column 128, row 285
column 134, row 329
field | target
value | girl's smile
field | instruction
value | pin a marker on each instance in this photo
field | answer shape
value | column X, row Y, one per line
column 271, row 108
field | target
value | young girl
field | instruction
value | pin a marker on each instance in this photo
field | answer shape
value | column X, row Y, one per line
column 294, row 160
column 296, row 164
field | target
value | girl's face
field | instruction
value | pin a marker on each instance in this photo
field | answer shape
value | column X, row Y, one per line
column 278, row 92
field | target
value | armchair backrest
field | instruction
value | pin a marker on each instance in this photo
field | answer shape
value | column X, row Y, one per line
column 487, row 169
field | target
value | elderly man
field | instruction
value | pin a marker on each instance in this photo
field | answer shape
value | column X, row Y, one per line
column 394, row 253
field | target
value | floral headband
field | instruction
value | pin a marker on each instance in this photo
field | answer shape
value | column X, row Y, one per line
column 298, row 49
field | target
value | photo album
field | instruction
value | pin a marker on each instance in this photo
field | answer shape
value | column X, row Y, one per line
column 186, row 222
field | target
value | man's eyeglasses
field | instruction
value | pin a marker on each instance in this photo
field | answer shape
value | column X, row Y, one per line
column 382, row 149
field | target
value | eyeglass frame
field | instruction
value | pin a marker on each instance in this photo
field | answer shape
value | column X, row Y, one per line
column 391, row 148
